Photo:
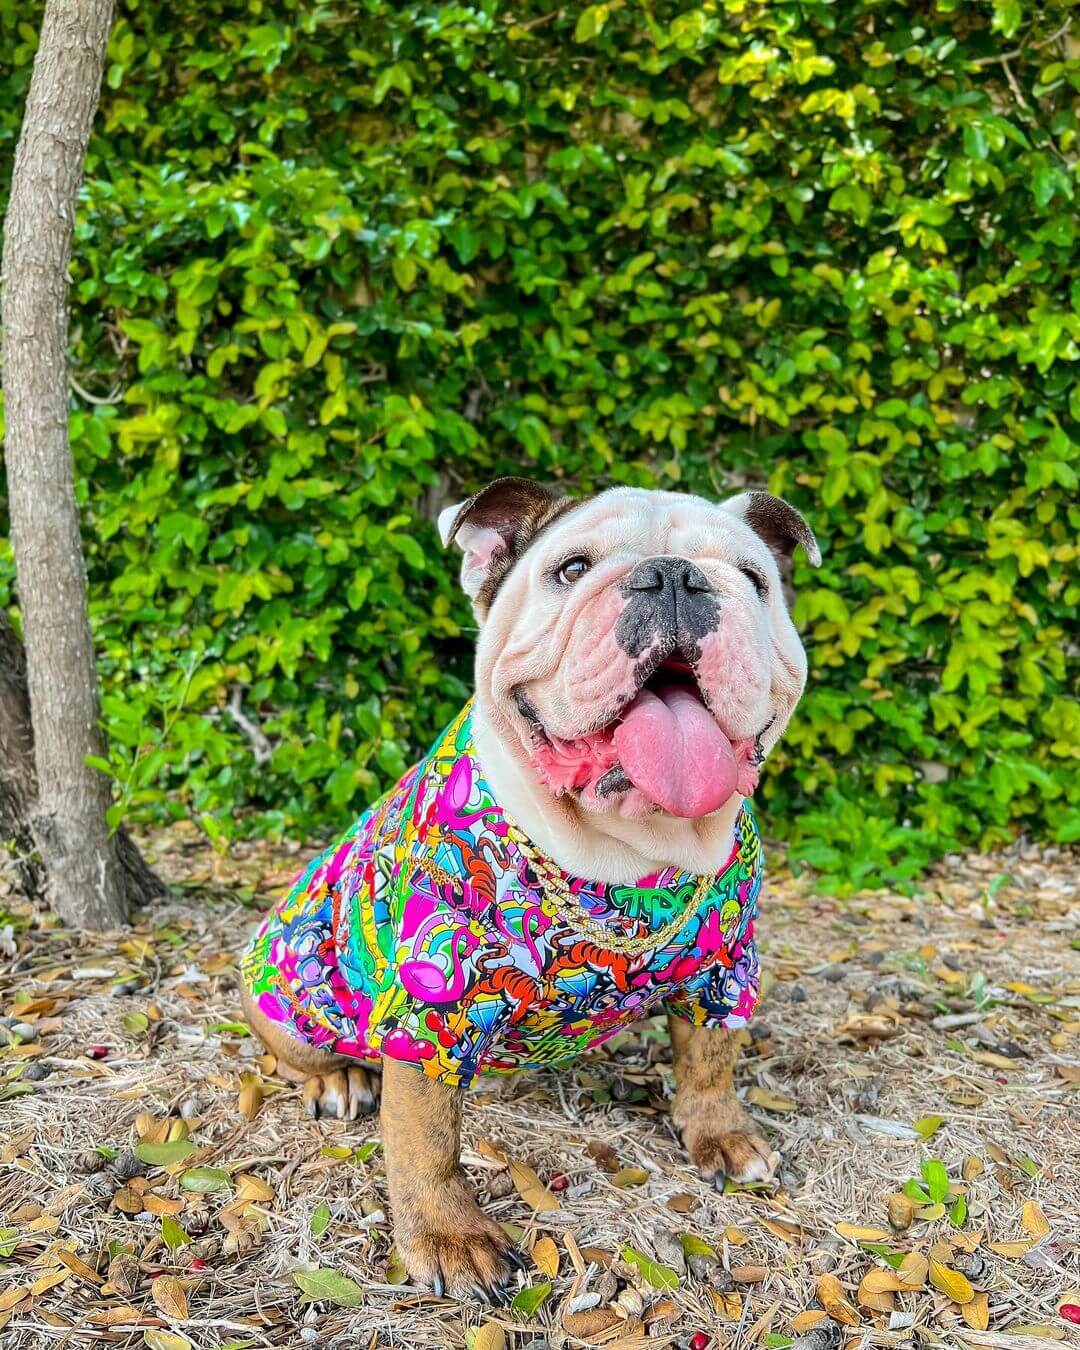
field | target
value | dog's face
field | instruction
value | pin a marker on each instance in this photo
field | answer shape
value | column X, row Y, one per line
column 637, row 645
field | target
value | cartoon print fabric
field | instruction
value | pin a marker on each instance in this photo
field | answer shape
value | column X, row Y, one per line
column 371, row 954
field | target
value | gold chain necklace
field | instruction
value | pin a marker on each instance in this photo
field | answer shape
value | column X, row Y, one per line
column 554, row 885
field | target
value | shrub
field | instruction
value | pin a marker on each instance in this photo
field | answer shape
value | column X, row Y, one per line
column 338, row 264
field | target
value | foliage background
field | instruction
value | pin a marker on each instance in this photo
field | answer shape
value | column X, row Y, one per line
column 336, row 264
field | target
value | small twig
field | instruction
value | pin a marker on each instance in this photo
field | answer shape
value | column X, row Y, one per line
column 116, row 394
column 260, row 744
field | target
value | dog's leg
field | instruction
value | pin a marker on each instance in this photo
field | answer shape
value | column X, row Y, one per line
column 334, row 1085
column 444, row 1237
column 719, row 1136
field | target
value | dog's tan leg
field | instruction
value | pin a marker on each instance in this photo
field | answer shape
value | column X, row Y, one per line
column 719, row 1136
column 334, row 1085
column 443, row 1236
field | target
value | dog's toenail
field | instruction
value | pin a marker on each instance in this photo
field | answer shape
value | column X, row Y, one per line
column 438, row 1287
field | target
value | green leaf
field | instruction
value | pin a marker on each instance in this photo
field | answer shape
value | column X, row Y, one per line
column 172, row 1234
column 958, row 1213
column 695, row 1246
column 526, row 1301
column 164, row 1155
column 937, row 1180
column 9, row 1240
column 914, row 1191
column 660, row 1277
column 925, row 1126
column 327, row 1286
column 205, row 1179
column 320, row 1219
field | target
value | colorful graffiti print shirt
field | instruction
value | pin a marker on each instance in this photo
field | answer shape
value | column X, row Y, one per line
column 369, row 956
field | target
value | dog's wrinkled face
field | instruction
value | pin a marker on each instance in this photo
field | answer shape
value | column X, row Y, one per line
column 637, row 644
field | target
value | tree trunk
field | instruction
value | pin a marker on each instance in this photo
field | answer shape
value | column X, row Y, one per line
column 87, row 882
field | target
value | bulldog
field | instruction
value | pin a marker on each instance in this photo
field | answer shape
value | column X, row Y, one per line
column 575, row 852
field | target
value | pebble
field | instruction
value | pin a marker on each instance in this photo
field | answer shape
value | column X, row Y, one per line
column 35, row 1072
column 125, row 1166
column 100, row 1185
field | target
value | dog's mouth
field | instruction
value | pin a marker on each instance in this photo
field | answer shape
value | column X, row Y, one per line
column 663, row 746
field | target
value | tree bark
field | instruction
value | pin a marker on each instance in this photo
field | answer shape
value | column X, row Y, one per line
column 87, row 882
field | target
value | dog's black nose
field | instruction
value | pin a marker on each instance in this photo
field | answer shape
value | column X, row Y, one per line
column 676, row 574
column 667, row 599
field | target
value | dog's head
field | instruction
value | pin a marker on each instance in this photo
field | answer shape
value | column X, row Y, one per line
column 637, row 644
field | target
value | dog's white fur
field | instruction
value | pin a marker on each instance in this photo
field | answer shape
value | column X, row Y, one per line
column 543, row 636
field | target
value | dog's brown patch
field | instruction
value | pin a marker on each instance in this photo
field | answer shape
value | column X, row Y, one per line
column 520, row 510
column 718, row 1134
column 443, row 1236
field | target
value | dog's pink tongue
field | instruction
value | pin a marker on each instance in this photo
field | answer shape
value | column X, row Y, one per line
column 673, row 751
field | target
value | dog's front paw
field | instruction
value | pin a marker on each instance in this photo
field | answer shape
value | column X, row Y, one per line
column 344, row 1094
column 458, row 1250
column 740, row 1154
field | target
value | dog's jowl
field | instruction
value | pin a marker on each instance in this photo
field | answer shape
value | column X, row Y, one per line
column 576, row 850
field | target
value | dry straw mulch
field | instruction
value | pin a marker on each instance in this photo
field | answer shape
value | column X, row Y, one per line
column 895, row 1032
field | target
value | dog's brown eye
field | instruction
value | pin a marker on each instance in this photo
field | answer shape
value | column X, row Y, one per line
column 571, row 570
column 754, row 576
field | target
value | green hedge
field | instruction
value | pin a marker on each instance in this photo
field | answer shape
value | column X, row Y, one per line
column 339, row 263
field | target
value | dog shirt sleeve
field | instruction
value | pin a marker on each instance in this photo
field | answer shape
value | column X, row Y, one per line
column 721, row 995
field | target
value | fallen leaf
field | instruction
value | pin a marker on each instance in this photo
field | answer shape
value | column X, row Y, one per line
column 78, row 1267
column 531, row 1189
column 528, row 1300
column 1012, row 1250
column 881, row 1281
column 171, row 1297
column 913, row 1271
column 156, row 1339
column 123, row 1273
column 729, row 1306
column 320, row 1219
column 951, row 1282
column 16, row 1294
column 785, row 1231
column 630, row 1176
column 330, row 1287
column 749, row 1274
column 249, row 1187
column 204, row 1179
column 855, row 1232
column 252, row 1095
column 166, row 1153
column 808, row 1320
column 490, row 1336
column 545, row 1257
column 832, row 1298
column 769, row 1101
column 682, row 1203
column 159, row 1205
column 973, row 1167
column 127, row 1200
column 976, row 1313
column 172, row 1234
column 660, row 1277
column 1033, row 1220
column 736, row 1236
column 587, row 1325
column 49, row 1280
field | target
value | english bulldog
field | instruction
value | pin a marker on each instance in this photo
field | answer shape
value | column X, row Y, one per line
column 575, row 852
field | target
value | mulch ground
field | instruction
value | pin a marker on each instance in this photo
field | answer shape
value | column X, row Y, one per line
column 927, row 1042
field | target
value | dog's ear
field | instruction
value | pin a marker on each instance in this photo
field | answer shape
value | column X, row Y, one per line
column 780, row 526
column 493, row 529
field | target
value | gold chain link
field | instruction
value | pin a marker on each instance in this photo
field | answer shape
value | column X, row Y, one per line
column 554, row 886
